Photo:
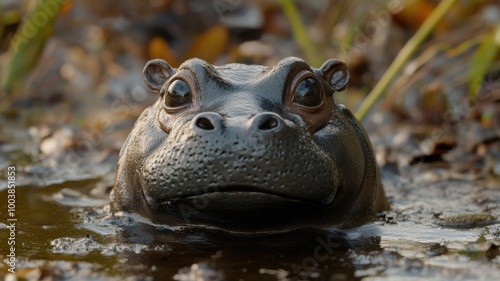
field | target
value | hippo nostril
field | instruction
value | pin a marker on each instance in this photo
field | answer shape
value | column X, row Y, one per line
column 271, row 123
column 266, row 122
column 205, row 124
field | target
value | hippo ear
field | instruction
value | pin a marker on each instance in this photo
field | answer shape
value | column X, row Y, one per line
column 336, row 74
column 156, row 73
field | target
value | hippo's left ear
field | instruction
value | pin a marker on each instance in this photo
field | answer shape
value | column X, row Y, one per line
column 156, row 73
column 336, row 73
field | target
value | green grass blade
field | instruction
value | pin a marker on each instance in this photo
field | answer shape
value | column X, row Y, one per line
column 299, row 32
column 404, row 55
column 27, row 44
column 482, row 59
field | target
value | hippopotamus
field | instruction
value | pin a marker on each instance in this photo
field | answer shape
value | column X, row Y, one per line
column 248, row 148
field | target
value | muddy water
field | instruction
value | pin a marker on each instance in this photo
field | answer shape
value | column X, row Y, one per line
column 66, row 232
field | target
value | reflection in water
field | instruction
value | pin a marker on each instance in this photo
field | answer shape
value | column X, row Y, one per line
column 301, row 254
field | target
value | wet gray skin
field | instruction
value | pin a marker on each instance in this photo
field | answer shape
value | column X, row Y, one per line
column 248, row 148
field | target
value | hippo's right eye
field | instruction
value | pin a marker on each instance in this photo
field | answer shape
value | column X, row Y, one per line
column 308, row 93
column 177, row 94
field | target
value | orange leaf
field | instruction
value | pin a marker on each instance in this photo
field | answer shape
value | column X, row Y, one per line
column 66, row 7
column 159, row 49
column 414, row 13
column 210, row 44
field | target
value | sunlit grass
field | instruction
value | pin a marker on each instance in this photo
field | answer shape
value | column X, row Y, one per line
column 25, row 48
column 403, row 56
column 300, row 33
column 482, row 60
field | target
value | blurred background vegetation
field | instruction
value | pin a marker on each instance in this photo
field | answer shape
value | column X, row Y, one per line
column 78, row 63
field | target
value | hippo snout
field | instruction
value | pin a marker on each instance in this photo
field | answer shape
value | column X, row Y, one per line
column 261, row 155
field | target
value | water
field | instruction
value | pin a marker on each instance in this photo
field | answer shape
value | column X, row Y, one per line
column 66, row 231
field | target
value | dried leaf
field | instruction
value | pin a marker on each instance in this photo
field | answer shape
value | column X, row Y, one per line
column 210, row 44
column 414, row 13
column 159, row 48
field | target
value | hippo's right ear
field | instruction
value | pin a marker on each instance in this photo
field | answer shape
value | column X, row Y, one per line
column 336, row 74
column 156, row 73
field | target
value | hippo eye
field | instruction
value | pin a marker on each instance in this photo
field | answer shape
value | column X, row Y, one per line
column 308, row 93
column 177, row 94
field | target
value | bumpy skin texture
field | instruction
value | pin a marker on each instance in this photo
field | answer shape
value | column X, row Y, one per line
column 245, row 152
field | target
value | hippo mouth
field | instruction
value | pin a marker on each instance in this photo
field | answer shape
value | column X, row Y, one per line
column 244, row 195
column 242, row 206
column 244, row 203
column 245, row 189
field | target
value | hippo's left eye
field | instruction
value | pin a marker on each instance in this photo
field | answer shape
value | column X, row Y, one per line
column 177, row 94
column 308, row 93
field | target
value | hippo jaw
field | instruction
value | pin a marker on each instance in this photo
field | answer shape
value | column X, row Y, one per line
column 245, row 211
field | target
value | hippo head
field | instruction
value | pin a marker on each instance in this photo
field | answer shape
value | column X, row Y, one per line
column 248, row 148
